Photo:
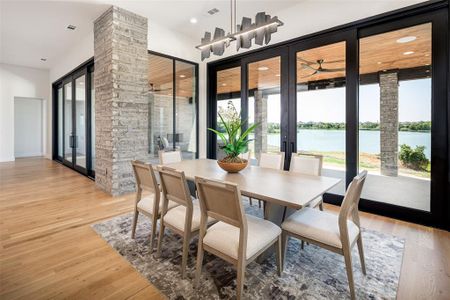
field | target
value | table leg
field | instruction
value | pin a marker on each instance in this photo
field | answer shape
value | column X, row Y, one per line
column 276, row 214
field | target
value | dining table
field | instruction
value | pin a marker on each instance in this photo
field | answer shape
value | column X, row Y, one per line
column 283, row 192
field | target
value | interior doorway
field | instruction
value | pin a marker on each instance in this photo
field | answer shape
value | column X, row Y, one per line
column 28, row 127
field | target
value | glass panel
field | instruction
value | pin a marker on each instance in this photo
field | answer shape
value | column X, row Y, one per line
column 185, row 122
column 321, row 108
column 264, row 105
column 160, row 121
column 395, row 116
column 68, row 121
column 228, row 92
column 92, row 123
column 60, row 122
column 80, row 119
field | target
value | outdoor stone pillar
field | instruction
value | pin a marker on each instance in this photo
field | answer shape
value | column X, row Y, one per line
column 389, row 123
column 261, row 118
column 121, row 92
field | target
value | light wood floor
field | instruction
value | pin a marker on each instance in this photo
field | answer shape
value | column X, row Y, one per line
column 48, row 249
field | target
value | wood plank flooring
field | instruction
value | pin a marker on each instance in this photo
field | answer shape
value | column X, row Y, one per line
column 48, row 249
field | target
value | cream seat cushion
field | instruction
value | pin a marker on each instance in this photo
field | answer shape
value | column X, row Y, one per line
column 146, row 204
column 177, row 216
column 319, row 226
column 224, row 237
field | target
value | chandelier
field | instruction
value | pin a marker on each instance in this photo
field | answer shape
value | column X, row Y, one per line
column 242, row 33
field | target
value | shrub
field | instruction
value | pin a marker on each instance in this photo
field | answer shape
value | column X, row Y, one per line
column 413, row 158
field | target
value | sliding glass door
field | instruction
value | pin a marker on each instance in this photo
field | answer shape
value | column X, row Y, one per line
column 74, row 126
column 372, row 96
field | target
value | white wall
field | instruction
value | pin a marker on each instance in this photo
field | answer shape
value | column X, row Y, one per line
column 26, row 82
column 28, row 127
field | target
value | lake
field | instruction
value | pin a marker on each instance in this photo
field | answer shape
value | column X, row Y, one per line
column 334, row 140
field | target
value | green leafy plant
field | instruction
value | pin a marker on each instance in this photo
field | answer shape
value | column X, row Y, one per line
column 234, row 140
column 413, row 158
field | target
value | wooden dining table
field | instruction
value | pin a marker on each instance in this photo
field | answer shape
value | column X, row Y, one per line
column 283, row 192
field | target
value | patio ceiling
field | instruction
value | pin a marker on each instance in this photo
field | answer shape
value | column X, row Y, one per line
column 377, row 53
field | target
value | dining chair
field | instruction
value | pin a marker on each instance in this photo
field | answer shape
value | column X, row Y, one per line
column 337, row 233
column 169, row 157
column 308, row 164
column 272, row 161
column 184, row 219
column 236, row 238
column 148, row 197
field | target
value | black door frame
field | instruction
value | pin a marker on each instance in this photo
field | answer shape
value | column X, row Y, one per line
column 433, row 11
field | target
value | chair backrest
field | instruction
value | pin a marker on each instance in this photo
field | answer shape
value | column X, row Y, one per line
column 145, row 176
column 169, row 157
column 174, row 186
column 349, row 206
column 221, row 201
column 271, row 160
column 308, row 164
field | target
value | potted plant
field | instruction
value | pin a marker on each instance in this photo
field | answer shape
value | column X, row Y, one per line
column 234, row 140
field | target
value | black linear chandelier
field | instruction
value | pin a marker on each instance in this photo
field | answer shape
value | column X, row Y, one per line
column 243, row 34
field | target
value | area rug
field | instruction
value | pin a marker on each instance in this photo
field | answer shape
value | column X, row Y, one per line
column 312, row 273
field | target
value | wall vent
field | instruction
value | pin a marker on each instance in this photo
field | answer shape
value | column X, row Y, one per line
column 71, row 27
column 213, row 11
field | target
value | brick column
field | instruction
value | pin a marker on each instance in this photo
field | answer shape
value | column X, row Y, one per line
column 121, row 91
column 389, row 123
column 261, row 118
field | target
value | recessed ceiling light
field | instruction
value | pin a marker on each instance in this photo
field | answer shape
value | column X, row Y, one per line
column 278, row 75
column 427, row 55
column 379, row 62
column 71, row 27
column 408, row 52
column 193, row 20
column 428, row 71
column 182, row 76
column 263, row 68
column 406, row 39
column 43, row 59
column 224, row 84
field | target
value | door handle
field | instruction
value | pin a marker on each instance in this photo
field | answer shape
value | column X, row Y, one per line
column 292, row 147
column 284, row 146
column 75, row 139
column 71, row 141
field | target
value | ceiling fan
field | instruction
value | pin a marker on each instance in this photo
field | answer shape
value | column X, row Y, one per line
column 320, row 69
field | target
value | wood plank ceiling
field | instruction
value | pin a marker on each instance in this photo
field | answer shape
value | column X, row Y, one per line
column 377, row 53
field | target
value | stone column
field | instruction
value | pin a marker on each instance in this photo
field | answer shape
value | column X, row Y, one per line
column 261, row 118
column 121, row 91
column 389, row 123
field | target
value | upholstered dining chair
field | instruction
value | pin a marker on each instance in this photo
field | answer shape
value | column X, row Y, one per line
column 184, row 219
column 148, row 197
column 272, row 161
column 309, row 164
column 169, row 157
column 237, row 238
column 337, row 233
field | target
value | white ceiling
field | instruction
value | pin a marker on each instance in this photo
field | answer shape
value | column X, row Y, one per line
column 31, row 30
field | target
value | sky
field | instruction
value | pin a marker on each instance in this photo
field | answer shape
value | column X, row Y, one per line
column 329, row 105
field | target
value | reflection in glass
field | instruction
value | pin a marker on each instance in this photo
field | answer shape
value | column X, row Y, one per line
column 321, row 108
column 228, row 89
column 80, row 119
column 395, row 116
column 264, row 105
column 68, row 122
column 185, row 134
column 92, row 127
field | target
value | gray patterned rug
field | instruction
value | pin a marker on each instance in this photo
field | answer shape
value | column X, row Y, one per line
column 312, row 273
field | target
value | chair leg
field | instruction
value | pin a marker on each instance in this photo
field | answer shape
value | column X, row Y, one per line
column 240, row 278
column 348, row 266
column 259, row 203
column 186, row 239
column 321, row 205
column 153, row 232
column 279, row 254
column 302, row 245
column 250, row 200
column 284, row 240
column 361, row 254
column 161, row 236
column 133, row 226
column 198, row 271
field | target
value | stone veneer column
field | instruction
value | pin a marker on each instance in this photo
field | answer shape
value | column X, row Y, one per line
column 261, row 118
column 121, row 106
column 389, row 123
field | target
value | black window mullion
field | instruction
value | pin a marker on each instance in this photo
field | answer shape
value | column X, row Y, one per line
column 174, row 91
column 244, row 94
